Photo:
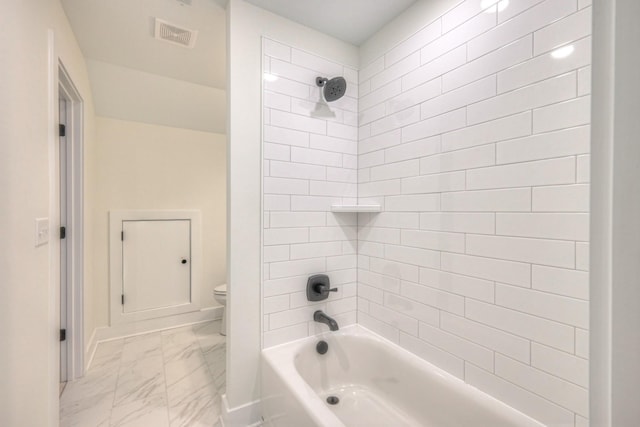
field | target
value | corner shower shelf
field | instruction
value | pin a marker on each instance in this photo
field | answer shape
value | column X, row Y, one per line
column 355, row 208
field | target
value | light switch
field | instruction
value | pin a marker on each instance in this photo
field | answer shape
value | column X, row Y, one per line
column 42, row 231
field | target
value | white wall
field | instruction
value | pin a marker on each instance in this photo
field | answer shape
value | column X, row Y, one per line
column 246, row 25
column 145, row 166
column 615, row 343
column 476, row 142
column 310, row 163
column 29, row 288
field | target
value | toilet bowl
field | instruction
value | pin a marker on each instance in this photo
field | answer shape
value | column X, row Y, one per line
column 220, row 294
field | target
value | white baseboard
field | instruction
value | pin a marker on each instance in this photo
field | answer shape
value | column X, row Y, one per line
column 124, row 330
column 247, row 415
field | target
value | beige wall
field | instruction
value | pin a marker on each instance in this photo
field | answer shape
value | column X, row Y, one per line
column 29, row 288
column 147, row 167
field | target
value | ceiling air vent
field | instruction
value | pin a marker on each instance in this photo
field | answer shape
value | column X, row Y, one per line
column 174, row 34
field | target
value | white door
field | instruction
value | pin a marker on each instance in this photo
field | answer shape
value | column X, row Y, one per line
column 156, row 264
column 64, row 258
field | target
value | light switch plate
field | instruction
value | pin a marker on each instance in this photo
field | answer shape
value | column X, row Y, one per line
column 42, row 231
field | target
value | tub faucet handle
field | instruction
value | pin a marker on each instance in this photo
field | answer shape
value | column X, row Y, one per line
column 324, row 289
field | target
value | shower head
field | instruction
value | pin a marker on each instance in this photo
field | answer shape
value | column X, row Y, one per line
column 333, row 89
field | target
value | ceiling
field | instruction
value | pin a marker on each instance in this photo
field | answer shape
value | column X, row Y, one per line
column 353, row 21
column 120, row 32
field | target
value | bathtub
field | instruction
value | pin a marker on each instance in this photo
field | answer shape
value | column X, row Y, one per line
column 377, row 383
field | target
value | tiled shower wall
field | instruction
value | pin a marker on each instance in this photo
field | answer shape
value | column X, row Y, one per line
column 474, row 136
column 309, row 164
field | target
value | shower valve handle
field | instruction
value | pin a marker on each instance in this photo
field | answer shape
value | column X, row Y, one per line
column 324, row 290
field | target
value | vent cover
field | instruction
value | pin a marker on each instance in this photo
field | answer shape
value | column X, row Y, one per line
column 176, row 35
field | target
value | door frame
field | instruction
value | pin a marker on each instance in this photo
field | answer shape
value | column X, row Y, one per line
column 116, row 218
column 74, row 223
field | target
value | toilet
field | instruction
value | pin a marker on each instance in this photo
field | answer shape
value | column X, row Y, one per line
column 220, row 294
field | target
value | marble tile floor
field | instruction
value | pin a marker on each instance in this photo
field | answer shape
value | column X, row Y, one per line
column 173, row 378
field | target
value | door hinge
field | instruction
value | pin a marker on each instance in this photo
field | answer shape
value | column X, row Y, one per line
column 122, row 236
column 122, row 299
column 63, row 335
column 63, row 232
column 62, row 130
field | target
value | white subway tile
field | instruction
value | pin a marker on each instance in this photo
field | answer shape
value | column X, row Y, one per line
column 372, row 114
column 350, row 75
column 521, row 25
column 414, row 256
column 546, row 252
column 535, row 328
column 306, row 267
column 544, row 66
column 349, row 161
column 337, row 189
column 507, row 200
column 571, row 28
column 515, row 273
column 298, row 122
column 560, row 281
column 395, row 269
column 582, row 343
column 293, row 72
column 364, row 89
column 584, row 81
column 412, row 203
column 462, row 348
column 497, row 130
column 297, row 219
column 423, row 313
column 342, row 131
column 544, row 146
column 288, row 87
column 371, row 70
column 414, row 96
column 285, row 186
column 342, row 175
column 337, row 145
column 383, row 329
column 475, row 157
column 370, row 293
column 276, row 253
column 286, row 136
column 296, row 170
column 560, row 364
column 507, row 56
column 478, row 223
column 495, row 339
column 315, row 157
column 435, row 125
column 434, row 183
column 390, row 219
column 396, row 70
column 442, row 359
column 462, row 285
column 275, row 304
column 541, row 172
column 341, row 306
column 465, row 95
column 379, row 281
column 395, row 319
column 395, row 170
column 325, row 234
column 458, row 36
column 463, row 12
column 583, row 172
column 413, row 150
column 581, row 421
column 284, row 236
column 435, row 240
column 436, row 68
column 284, row 285
column 515, row 8
column 553, row 388
column 313, row 203
column 315, row 250
column 276, row 152
column 563, row 198
column 553, row 307
column 582, row 256
column 584, row 3
column 433, row 297
column 563, row 115
column 537, row 95
column 291, row 317
column 277, row 101
column 520, row 399
column 370, row 249
column 380, row 235
column 379, row 142
column 379, row 188
column 276, row 50
column 413, row 43
column 315, row 62
column 283, row 335
column 564, row 226
column 395, row 121
column 341, row 262
column 274, row 202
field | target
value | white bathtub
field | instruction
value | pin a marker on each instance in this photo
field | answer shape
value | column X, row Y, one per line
column 378, row 384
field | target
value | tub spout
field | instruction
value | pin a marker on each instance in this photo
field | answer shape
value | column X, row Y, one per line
column 319, row 316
